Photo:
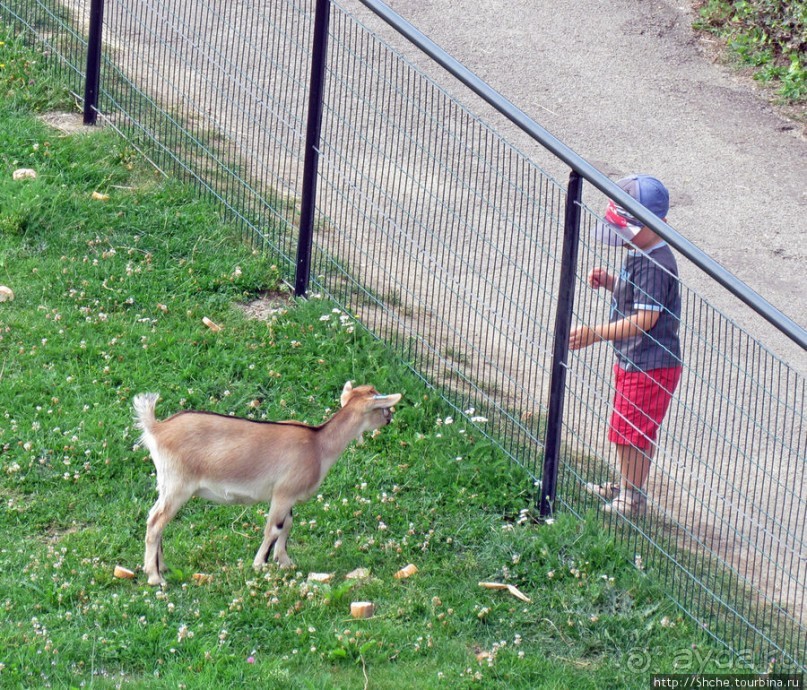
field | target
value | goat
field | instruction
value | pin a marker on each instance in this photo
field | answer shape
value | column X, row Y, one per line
column 234, row 460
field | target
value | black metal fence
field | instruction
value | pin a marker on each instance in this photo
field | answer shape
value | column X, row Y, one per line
column 449, row 243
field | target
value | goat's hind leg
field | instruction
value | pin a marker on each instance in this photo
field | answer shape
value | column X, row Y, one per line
column 160, row 515
column 275, row 534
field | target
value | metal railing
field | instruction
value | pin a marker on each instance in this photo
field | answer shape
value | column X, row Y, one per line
column 469, row 259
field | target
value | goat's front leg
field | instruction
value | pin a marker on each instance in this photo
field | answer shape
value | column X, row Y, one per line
column 280, row 556
column 275, row 534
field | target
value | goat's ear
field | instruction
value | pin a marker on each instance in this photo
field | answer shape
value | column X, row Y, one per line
column 346, row 392
column 386, row 400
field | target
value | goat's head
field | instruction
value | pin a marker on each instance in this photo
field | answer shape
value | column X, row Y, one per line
column 376, row 407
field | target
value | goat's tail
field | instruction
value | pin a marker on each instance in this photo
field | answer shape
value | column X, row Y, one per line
column 144, row 404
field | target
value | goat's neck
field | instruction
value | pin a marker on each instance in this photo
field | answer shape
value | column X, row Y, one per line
column 337, row 433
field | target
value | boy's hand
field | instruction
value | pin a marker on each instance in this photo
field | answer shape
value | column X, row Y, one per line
column 629, row 327
column 600, row 278
column 581, row 337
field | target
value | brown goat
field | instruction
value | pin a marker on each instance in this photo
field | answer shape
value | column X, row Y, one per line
column 234, row 460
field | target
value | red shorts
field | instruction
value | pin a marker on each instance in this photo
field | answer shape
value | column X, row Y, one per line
column 640, row 403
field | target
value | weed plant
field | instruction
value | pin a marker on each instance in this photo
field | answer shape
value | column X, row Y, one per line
column 113, row 270
column 768, row 35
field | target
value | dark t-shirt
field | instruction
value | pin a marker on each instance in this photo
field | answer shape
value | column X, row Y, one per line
column 649, row 281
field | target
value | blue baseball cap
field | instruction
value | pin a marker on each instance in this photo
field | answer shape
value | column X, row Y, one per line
column 618, row 225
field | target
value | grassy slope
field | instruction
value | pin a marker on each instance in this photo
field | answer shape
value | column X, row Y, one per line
column 769, row 36
column 87, row 331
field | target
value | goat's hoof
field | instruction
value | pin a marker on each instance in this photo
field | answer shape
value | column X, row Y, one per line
column 259, row 564
column 156, row 580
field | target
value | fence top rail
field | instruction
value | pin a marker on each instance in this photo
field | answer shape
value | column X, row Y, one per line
column 518, row 117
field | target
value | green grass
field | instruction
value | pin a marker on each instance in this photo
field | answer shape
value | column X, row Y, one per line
column 770, row 36
column 110, row 295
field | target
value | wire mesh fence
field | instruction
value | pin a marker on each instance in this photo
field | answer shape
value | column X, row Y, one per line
column 444, row 240
column 439, row 235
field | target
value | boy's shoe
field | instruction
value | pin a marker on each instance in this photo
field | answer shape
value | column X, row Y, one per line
column 629, row 503
column 607, row 492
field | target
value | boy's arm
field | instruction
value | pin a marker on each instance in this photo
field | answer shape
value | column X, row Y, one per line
column 635, row 324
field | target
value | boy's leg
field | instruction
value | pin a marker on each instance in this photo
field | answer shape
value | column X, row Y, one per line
column 634, row 465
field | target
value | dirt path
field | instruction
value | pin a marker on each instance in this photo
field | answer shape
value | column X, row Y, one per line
column 631, row 87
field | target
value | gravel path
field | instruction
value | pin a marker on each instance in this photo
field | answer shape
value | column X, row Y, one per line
column 631, row 87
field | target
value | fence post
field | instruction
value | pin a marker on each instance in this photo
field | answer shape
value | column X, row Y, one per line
column 92, row 79
column 316, row 89
column 560, row 352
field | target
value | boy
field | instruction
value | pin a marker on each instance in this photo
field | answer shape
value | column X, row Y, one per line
column 643, row 327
